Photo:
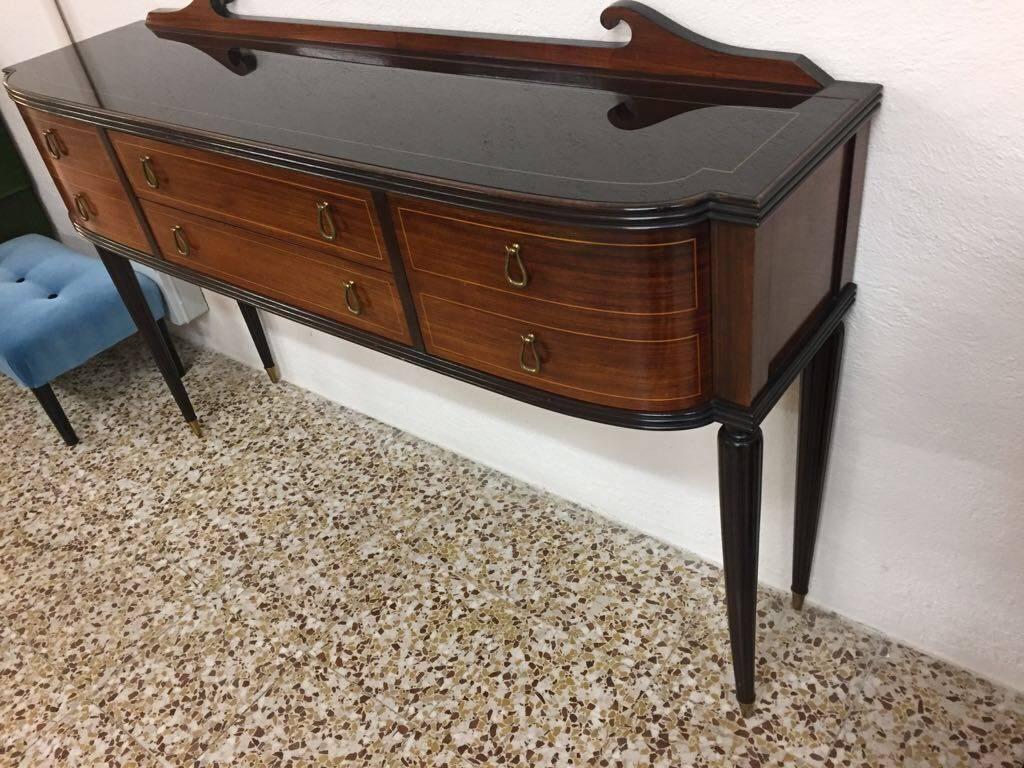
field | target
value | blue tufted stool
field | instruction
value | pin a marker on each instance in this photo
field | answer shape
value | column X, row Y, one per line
column 58, row 309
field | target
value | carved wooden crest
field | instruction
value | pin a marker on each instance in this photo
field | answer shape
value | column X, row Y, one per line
column 657, row 46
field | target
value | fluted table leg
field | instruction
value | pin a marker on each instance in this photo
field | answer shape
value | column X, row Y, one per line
column 739, row 481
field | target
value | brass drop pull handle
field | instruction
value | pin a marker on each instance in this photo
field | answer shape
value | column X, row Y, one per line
column 181, row 244
column 325, row 221
column 529, row 347
column 352, row 298
column 52, row 142
column 147, row 170
column 82, row 206
column 514, row 263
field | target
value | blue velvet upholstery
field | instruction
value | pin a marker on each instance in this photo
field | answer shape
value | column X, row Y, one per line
column 58, row 309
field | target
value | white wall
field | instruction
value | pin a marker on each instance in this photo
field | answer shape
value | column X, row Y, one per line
column 30, row 29
column 924, row 522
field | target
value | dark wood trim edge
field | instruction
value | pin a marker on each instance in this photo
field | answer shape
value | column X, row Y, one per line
column 682, row 214
column 847, row 256
column 129, row 192
column 848, row 131
column 843, row 212
column 786, row 373
column 383, row 206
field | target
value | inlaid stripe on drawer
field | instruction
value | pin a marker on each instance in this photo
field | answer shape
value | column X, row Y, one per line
column 73, row 178
column 66, row 143
column 346, row 292
column 321, row 214
column 102, row 207
column 615, row 273
column 652, row 374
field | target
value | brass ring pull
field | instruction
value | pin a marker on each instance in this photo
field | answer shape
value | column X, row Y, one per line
column 181, row 244
column 325, row 221
column 529, row 345
column 147, row 170
column 352, row 298
column 82, row 206
column 52, row 143
column 513, row 252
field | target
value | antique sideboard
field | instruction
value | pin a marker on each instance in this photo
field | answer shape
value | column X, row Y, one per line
column 656, row 234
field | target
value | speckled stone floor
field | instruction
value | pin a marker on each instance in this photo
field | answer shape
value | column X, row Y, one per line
column 309, row 587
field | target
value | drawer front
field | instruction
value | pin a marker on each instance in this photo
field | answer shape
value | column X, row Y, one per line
column 630, row 373
column 617, row 273
column 351, row 294
column 101, row 206
column 69, row 144
column 315, row 213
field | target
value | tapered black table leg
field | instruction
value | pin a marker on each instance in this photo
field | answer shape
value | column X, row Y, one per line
column 166, row 334
column 819, row 384
column 259, row 338
column 51, row 405
column 739, row 488
column 128, row 287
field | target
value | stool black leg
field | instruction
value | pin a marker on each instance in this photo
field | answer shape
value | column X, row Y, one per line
column 166, row 334
column 818, row 387
column 259, row 338
column 51, row 405
column 739, row 489
column 128, row 287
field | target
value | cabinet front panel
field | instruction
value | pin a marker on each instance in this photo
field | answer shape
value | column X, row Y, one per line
column 69, row 144
column 649, row 375
column 610, row 317
column 349, row 293
column 101, row 206
column 596, row 270
column 332, row 218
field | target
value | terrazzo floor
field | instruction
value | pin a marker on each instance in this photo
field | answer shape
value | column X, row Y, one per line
column 307, row 587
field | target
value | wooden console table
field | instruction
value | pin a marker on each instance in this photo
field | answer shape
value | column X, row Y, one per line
column 657, row 234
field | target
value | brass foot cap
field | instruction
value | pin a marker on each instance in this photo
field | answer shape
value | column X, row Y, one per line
column 747, row 710
column 798, row 601
column 273, row 374
column 196, row 428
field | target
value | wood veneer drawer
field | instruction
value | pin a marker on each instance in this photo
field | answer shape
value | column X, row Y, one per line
column 351, row 294
column 66, row 143
column 625, row 372
column 658, row 273
column 102, row 206
column 334, row 218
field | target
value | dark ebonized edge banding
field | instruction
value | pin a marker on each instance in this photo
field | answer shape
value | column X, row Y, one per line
column 636, row 218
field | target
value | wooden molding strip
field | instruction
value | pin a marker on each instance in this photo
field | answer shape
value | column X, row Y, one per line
column 658, row 46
